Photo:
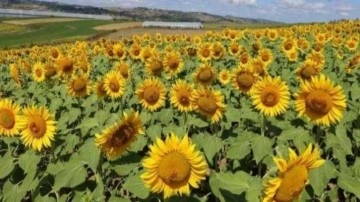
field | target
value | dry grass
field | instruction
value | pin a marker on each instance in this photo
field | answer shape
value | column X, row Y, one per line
column 39, row 21
column 119, row 26
column 125, row 33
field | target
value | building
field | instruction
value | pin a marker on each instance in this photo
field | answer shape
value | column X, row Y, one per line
column 173, row 25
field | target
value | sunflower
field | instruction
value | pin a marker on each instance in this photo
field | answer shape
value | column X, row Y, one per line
column 234, row 49
column 205, row 75
column 135, row 51
column 204, row 52
column 354, row 64
column 351, row 44
column 209, row 103
column 79, row 86
column 293, row 175
column 243, row 78
column 173, row 63
column 65, row 66
column 273, row 35
column 9, row 118
column 172, row 166
column 224, row 76
column 288, row 45
column 292, row 55
column 321, row 101
column 38, row 72
column 217, row 50
column 317, row 57
column 271, row 96
column 180, row 95
column 266, row 56
column 114, row 84
column 113, row 141
column 307, row 70
column 15, row 73
column 191, row 51
column 38, row 127
column 259, row 67
column 124, row 69
column 99, row 88
column 146, row 53
column 119, row 51
column 154, row 66
column 151, row 94
column 244, row 58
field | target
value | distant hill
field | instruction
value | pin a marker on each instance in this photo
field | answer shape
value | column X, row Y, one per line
column 131, row 14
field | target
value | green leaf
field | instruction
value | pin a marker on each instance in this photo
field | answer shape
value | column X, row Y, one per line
column 166, row 116
column 319, row 177
column 89, row 154
column 126, row 164
column 12, row 192
column 136, row 186
column 117, row 199
column 349, row 184
column 71, row 175
column 211, row 145
column 254, row 191
column 234, row 183
column 28, row 161
column 74, row 114
column 88, row 124
column 239, row 149
column 343, row 139
column 7, row 165
column 139, row 144
column 262, row 147
column 154, row 131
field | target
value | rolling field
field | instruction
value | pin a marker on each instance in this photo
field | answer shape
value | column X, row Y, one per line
column 218, row 115
column 44, row 33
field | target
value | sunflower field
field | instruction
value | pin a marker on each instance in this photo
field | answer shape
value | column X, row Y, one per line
column 269, row 114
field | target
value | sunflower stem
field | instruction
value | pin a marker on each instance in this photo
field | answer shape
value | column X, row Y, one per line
column 99, row 171
column 263, row 127
column 318, row 134
column 185, row 122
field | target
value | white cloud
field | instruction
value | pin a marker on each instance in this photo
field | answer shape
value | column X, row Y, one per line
column 242, row 2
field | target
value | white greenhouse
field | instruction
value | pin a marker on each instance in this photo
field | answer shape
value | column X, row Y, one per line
column 182, row 25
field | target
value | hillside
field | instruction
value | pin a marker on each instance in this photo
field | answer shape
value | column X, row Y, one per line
column 131, row 14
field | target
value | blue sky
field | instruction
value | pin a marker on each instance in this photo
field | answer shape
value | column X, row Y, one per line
column 278, row 10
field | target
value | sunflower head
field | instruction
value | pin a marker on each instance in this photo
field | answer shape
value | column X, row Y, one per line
column 79, row 86
column 38, row 72
column 217, row 50
column 270, row 96
column 154, row 66
column 243, row 78
column 151, row 94
column 205, row 75
column 124, row 69
column 173, row 63
column 113, row 141
column 204, row 52
column 9, row 118
column 307, row 70
column 15, row 73
column 38, row 127
column 114, row 84
column 173, row 166
column 99, row 88
column 180, row 95
column 224, row 76
column 209, row 103
column 293, row 175
column 320, row 100
column 65, row 66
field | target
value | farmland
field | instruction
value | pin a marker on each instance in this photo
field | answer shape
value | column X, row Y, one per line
column 221, row 114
